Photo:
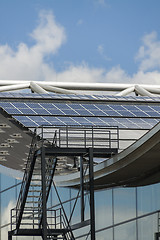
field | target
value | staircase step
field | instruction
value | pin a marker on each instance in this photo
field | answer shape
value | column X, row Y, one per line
column 38, row 191
column 35, row 185
column 34, row 196
column 33, row 202
column 36, row 180
column 34, row 208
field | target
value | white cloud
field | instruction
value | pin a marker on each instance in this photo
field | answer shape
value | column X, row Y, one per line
column 81, row 73
column 149, row 52
column 101, row 2
column 49, row 35
column 100, row 49
column 80, row 22
column 117, row 75
column 28, row 62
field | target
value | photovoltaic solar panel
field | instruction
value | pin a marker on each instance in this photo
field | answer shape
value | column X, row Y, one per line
column 23, row 95
column 127, row 115
column 33, row 121
column 78, row 109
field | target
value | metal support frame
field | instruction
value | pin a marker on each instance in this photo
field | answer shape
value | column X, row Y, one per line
column 9, row 236
column 76, row 151
column 44, row 214
column 91, row 190
column 157, row 236
column 82, row 188
column 68, row 225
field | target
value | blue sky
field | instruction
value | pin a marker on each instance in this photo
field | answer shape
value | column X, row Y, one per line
column 87, row 40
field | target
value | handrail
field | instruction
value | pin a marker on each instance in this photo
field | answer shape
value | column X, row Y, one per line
column 25, row 177
column 67, row 225
column 80, row 136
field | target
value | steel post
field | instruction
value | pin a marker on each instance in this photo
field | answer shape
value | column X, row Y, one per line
column 82, row 188
column 91, row 190
column 9, row 236
column 44, row 209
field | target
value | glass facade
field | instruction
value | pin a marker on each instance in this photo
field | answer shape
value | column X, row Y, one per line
column 121, row 213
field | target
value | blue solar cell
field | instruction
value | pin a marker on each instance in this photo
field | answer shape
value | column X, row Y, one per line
column 136, row 120
column 13, row 111
column 156, row 108
column 144, row 108
column 145, row 123
column 83, row 112
column 89, row 106
column 117, row 107
column 69, row 121
column 103, row 107
column 76, row 106
column 66, row 119
column 41, row 111
column 139, row 114
column 35, row 118
column 151, row 121
column 130, row 107
column 40, row 123
column 154, row 114
column 61, row 106
column 81, row 120
column 22, row 118
column 95, row 120
column 53, row 120
column 55, row 112
column 33, row 105
column 19, row 105
column 98, row 112
column 26, row 111
column 69, row 112
column 126, row 114
column 26, row 121
column 48, row 105
column 6, row 105
column 108, row 119
column 127, row 123
column 111, row 113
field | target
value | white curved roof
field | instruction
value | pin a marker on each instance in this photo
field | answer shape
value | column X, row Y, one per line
column 137, row 165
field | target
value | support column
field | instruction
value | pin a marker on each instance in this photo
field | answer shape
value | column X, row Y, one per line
column 9, row 236
column 44, row 208
column 82, row 188
column 91, row 190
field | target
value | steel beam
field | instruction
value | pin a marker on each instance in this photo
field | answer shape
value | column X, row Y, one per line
column 9, row 236
column 91, row 190
column 82, row 188
column 44, row 208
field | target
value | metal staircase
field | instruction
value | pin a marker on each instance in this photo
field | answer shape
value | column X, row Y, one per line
column 31, row 217
column 27, row 218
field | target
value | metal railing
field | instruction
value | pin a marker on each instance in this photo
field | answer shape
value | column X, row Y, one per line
column 55, row 219
column 26, row 176
column 79, row 136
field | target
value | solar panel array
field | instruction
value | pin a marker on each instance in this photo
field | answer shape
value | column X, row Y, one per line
column 22, row 95
column 32, row 114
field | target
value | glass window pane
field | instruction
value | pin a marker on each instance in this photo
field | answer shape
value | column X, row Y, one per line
column 148, row 198
column 105, row 234
column 147, row 227
column 125, row 231
column 103, row 208
column 124, row 202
